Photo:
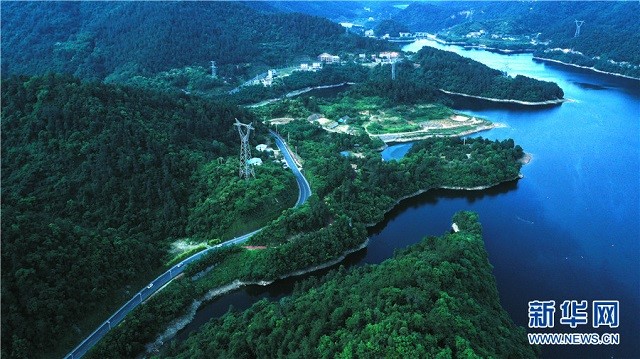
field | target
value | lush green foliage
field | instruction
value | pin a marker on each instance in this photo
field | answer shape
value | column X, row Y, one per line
column 436, row 299
column 97, row 180
column 432, row 16
column 453, row 72
column 220, row 268
column 445, row 70
column 366, row 192
column 330, row 9
column 330, row 223
column 329, row 75
column 116, row 41
column 191, row 80
column 225, row 206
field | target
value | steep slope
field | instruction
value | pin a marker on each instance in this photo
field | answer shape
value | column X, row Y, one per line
column 96, row 181
column 117, row 40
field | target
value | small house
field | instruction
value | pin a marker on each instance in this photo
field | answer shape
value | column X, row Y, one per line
column 325, row 57
column 261, row 147
column 255, row 161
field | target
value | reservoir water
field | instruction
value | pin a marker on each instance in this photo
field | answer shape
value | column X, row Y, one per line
column 569, row 230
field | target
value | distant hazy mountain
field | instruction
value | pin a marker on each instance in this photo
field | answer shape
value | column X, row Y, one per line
column 334, row 10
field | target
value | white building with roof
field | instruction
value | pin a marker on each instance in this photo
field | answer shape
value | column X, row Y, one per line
column 261, row 147
column 255, row 161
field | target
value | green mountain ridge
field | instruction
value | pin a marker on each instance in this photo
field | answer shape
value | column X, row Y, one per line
column 96, row 181
column 118, row 40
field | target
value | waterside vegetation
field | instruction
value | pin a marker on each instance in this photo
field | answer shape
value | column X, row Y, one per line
column 435, row 299
column 349, row 194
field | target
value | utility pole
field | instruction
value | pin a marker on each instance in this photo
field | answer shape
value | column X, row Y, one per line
column 214, row 70
column 393, row 69
column 246, row 170
column 578, row 25
column 506, row 69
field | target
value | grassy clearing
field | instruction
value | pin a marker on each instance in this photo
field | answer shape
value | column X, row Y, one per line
column 191, row 250
column 377, row 117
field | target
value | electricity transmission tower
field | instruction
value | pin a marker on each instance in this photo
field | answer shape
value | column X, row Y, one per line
column 214, row 70
column 578, row 25
column 246, row 170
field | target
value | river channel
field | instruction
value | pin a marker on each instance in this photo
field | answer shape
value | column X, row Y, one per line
column 569, row 230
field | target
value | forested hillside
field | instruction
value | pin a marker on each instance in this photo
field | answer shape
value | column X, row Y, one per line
column 608, row 39
column 452, row 72
column 349, row 194
column 117, row 40
column 436, row 299
column 96, row 181
column 419, row 80
column 99, row 178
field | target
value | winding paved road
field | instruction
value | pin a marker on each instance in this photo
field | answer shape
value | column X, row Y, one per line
column 166, row 277
column 303, row 184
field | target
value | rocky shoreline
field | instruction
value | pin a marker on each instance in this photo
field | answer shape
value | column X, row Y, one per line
column 544, row 59
column 421, row 135
column 183, row 321
column 178, row 324
column 525, row 103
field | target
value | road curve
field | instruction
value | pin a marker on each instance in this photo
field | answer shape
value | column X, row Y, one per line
column 304, row 192
column 303, row 184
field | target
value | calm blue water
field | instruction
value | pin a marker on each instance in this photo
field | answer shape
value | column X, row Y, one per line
column 570, row 229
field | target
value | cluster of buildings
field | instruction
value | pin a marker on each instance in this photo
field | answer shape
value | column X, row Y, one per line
column 256, row 161
column 267, row 79
column 382, row 57
column 328, row 58
column 315, row 66
column 264, row 79
column 402, row 36
column 323, row 58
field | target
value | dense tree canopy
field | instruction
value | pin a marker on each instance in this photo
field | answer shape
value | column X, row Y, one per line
column 96, row 180
column 99, row 179
column 116, row 41
column 349, row 193
column 453, row 72
column 390, row 27
column 436, row 299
